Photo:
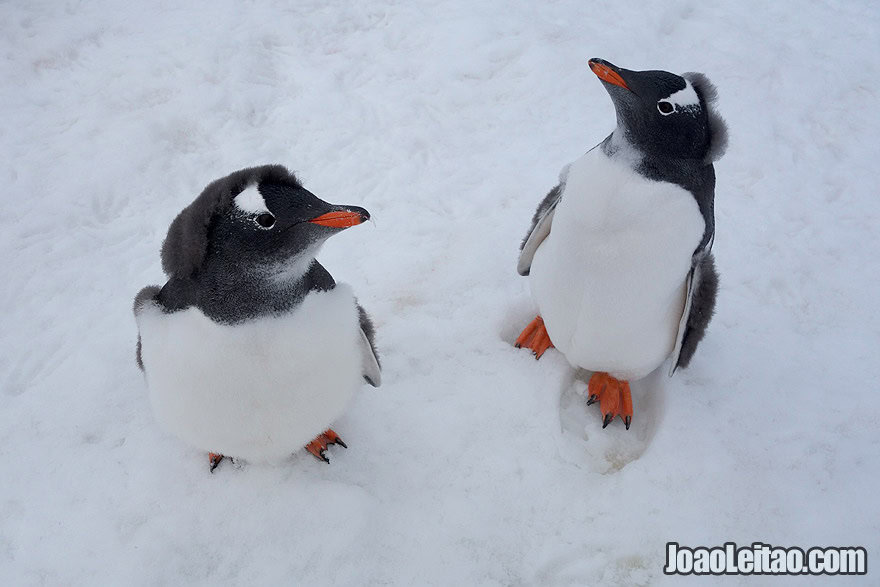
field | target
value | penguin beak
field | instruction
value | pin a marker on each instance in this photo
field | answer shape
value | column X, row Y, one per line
column 607, row 72
column 342, row 217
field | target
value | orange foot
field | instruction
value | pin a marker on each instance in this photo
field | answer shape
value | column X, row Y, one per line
column 613, row 396
column 214, row 460
column 535, row 337
column 318, row 446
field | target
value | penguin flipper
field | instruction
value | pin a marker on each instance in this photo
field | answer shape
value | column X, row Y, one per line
column 372, row 369
column 143, row 297
column 541, row 223
column 372, row 372
column 702, row 290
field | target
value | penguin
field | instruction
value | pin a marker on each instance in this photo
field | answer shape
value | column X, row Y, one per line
column 618, row 255
column 251, row 349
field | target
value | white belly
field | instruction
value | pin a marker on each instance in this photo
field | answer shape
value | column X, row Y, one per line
column 609, row 279
column 259, row 390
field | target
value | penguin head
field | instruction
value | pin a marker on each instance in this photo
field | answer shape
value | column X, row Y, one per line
column 663, row 114
column 255, row 218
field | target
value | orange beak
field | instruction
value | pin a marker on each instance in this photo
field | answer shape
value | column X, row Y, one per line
column 606, row 74
column 340, row 219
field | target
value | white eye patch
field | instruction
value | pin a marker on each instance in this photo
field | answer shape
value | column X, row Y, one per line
column 251, row 201
column 684, row 98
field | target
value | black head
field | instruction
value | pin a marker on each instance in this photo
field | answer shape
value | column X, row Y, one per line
column 663, row 114
column 259, row 217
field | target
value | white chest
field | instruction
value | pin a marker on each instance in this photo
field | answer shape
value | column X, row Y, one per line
column 609, row 279
column 258, row 390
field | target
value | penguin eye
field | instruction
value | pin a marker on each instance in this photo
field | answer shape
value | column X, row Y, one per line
column 265, row 220
column 665, row 107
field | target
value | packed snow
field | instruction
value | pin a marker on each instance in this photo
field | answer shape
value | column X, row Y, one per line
column 449, row 121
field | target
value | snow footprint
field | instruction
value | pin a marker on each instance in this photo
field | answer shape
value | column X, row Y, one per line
column 594, row 565
column 609, row 450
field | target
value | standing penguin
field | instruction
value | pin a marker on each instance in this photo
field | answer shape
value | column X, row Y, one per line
column 618, row 254
column 251, row 349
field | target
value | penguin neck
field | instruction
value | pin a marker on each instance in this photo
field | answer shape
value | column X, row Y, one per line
column 686, row 172
column 617, row 146
column 694, row 175
column 230, row 293
column 282, row 275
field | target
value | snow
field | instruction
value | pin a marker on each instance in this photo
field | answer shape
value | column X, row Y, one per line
column 448, row 121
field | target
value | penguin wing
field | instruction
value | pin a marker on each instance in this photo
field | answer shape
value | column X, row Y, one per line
column 702, row 289
column 372, row 369
column 541, row 223
column 320, row 278
column 143, row 297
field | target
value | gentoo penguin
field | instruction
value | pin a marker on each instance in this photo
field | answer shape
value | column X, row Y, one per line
column 618, row 254
column 251, row 349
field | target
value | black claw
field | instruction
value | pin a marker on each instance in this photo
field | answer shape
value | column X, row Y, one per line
column 607, row 420
column 592, row 399
column 215, row 463
column 627, row 421
column 324, row 457
column 516, row 345
column 340, row 443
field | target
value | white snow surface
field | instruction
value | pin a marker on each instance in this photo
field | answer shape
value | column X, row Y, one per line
column 448, row 121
